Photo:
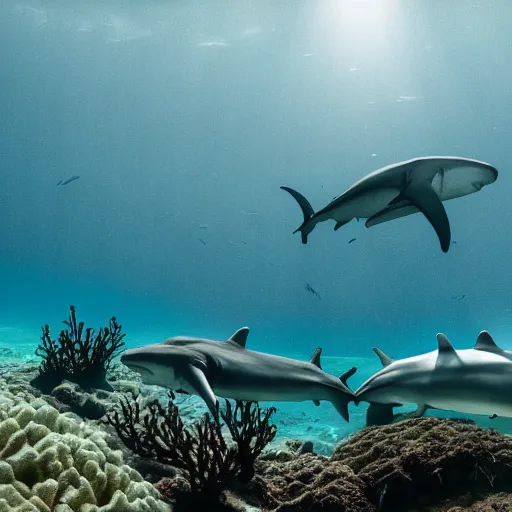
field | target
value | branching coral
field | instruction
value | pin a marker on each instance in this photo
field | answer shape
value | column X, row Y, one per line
column 251, row 430
column 78, row 356
column 200, row 451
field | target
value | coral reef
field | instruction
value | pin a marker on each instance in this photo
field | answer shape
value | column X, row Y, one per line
column 50, row 462
column 427, row 457
column 83, row 358
column 86, row 405
column 416, row 463
column 501, row 502
column 251, row 430
column 312, row 483
column 207, row 462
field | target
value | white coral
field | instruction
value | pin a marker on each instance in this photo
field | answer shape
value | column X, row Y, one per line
column 50, row 462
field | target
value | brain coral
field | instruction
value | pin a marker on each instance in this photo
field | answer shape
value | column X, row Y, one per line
column 51, row 462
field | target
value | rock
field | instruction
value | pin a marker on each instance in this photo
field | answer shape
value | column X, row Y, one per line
column 84, row 404
column 501, row 502
column 427, row 459
column 307, row 447
column 413, row 464
column 312, row 483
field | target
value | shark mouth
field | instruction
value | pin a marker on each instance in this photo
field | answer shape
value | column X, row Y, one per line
column 138, row 369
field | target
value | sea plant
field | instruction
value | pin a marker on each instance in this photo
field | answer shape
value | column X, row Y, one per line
column 251, row 430
column 208, row 463
column 79, row 354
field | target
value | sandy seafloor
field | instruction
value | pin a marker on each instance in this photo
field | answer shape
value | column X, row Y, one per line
column 295, row 420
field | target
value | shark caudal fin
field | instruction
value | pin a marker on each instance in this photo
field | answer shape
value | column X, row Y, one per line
column 342, row 399
column 341, row 405
column 307, row 210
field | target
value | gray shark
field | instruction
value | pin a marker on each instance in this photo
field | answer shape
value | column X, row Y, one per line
column 472, row 381
column 208, row 368
column 400, row 189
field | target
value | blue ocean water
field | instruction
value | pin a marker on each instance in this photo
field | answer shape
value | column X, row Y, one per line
column 183, row 119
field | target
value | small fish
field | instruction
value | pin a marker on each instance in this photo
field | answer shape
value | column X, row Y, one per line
column 351, row 240
column 73, row 178
column 249, row 213
column 203, row 226
column 201, row 240
column 312, row 291
column 244, row 242
column 458, row 297
column 494, row 416
column 60, row 182
column 454, row 242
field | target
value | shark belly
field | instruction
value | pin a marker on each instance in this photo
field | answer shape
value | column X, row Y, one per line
column 474, row 394
column 269, row 378
column 469, row 405
column 463, row 390
column 362, row 205
column 272, row 391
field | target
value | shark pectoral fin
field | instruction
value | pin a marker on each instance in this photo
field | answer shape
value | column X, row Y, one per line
column 316, row 402
column 421, row 410
column 315, row 358
column 485, row 343
column 197, row 379
column 338, row 225
column 240, row 337
column 422, row 195
column 447, row 355
column 384, row 359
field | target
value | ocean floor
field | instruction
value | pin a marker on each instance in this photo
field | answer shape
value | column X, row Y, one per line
column 295, row 420
column 382, row 469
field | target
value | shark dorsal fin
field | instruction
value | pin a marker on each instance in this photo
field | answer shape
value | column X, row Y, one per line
column 315, row 358
column 485, row 343
column 447, row 355
column 384, row 359
column 240, row 337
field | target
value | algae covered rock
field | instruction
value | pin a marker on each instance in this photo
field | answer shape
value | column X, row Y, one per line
column 501, row 502
column 416, row 464
column 313, row 483
column 427, row 459
column 50, row 462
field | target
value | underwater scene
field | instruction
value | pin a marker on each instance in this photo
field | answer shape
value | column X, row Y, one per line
column 255, row 256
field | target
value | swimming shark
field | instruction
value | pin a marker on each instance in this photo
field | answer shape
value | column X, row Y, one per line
column 472, row 381
column 207, row 368
column 401, row 189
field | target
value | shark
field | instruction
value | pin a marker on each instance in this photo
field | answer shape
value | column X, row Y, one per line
column 207, row 368
column 401, row 189
column 472, row 381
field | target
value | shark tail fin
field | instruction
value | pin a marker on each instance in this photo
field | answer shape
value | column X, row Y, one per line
column 307, row 210
column 341, row 405
column 341, row 400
